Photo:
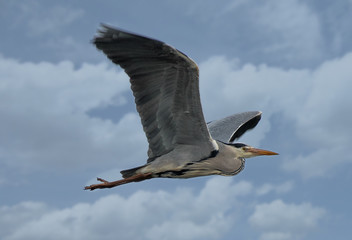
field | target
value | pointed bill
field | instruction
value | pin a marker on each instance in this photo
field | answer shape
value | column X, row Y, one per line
column 260, row 152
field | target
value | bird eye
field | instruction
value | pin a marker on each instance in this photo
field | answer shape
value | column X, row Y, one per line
column 245, row 148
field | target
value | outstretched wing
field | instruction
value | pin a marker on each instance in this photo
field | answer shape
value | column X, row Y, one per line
column 165, row 85
column 232, row 127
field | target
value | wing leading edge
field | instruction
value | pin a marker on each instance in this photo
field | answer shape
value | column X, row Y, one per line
column 233, row 127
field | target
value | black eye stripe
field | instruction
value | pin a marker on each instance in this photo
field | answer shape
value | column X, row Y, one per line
column 238, row 145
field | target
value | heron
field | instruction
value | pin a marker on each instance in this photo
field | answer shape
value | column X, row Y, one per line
column 165, row 85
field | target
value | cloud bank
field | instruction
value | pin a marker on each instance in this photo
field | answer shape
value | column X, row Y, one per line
column 280, row 220
column 315, row 102
column 44, row 111
column 45, row 123
column 185, row 213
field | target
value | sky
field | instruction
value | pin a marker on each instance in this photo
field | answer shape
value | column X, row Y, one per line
column 67, row 116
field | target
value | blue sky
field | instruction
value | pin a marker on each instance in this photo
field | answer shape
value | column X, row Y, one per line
column 68, row 116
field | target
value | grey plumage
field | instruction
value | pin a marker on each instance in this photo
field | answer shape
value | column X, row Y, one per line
column 164, row 82
column 165, row 85
column 233, row 127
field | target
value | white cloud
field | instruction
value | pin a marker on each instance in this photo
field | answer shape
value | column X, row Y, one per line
column 295, row 26
column 289, row 221
column 278, row 189
column 143, row 215
column 317, row 163
column 250, row 87
column 285, row 32
column 214, row 211
column 11, row 216
column 323, row 120
column 315, row 101
column 44, row 121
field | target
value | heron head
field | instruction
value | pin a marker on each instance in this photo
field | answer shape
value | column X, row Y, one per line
column 247, row 151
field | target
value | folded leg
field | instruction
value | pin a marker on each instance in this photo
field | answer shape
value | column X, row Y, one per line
column 106, row 184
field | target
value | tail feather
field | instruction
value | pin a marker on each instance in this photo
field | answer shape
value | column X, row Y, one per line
column 130, row 172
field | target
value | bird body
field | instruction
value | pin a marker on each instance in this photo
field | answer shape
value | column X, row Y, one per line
column 211, row 165
column 165, row 84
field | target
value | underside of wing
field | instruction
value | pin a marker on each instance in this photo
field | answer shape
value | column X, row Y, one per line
column 233, row 127
column 164, row 82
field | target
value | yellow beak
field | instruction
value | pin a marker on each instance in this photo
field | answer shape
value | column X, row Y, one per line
column 260, row 152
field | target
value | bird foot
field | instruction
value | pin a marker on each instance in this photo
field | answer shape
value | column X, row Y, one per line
column 107, row 184
column 104, row 184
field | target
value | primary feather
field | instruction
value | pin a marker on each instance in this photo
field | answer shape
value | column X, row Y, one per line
column 165, row 85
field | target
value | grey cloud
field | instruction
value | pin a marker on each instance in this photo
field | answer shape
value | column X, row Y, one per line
column 280, row 188
column 144, row 214
column 45, row 123
column 42, row 20
column 315, row 101
column 210, row 212
column 289, row 221
column 47, row 119
column 285, row 33
column 11, row 216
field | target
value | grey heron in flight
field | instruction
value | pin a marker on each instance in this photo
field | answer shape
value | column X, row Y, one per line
column 165, row 85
